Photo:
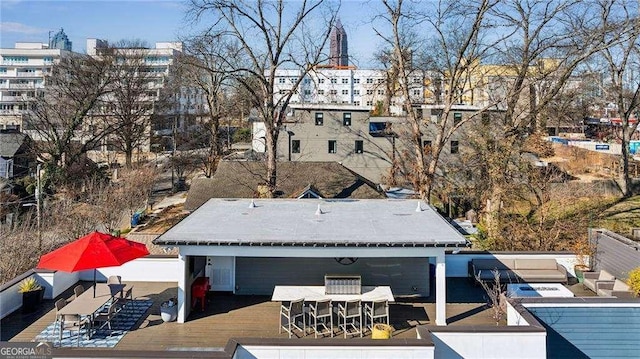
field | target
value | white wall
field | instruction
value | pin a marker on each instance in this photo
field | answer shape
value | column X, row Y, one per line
column 514, row 317
column 457, row 264
column 164, row 269
column 614, row 148
column 343, row 352
column 450, row 345
column 10, row 300
column 54, row 283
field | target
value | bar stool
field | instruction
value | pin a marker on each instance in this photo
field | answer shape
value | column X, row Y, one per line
column 319, row 311
column 351, row 310
column 378, row 309
column 291, row 312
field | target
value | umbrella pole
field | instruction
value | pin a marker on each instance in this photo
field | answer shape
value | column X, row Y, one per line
column 94, row 282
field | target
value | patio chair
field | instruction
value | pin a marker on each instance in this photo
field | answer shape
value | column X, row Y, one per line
column 289, row 313
column 378, row 309
column 60, row 303
column 79, row 289
column 73, row 323
column 105, row 317
column 114, row 279
column 319, row 312
column 350, row 310
column 122, row 301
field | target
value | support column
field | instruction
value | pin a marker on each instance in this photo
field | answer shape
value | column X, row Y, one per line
column 182, row 290
column 441, row 290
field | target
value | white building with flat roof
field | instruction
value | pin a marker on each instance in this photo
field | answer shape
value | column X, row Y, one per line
column 359, row 87
column 22, row 76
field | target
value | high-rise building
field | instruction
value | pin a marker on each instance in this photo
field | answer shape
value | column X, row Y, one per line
column 60, row 41
column 339, row 54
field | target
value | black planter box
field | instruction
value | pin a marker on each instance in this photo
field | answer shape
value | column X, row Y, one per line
column 31, row 300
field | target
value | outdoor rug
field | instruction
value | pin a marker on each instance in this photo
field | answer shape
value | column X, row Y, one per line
column 121, row 323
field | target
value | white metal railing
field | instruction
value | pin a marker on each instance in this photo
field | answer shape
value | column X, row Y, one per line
column 29, row 74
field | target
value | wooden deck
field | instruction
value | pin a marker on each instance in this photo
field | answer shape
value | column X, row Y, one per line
column 228, row 316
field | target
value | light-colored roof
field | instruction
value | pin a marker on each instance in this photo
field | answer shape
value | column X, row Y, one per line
column 346, row 222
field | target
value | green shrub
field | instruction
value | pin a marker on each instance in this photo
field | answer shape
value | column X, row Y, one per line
column 28, row 285
column 634, row 281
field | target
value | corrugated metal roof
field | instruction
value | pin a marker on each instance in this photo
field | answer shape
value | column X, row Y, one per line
column 294, row 222
column 590, row 332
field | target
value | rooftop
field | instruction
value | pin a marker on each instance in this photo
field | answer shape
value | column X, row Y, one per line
column 228, row 316
column 315, row 222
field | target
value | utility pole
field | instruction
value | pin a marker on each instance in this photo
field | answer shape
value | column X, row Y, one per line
column 38, row 213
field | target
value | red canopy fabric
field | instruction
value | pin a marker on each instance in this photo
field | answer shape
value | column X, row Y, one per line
column 95, row 250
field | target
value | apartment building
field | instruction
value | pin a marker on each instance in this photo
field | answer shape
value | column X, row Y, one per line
column 363, row 88
column 22, row 73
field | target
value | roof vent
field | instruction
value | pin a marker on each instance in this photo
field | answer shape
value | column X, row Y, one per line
column 319, row 211
column 419, row 208
column 252, row 204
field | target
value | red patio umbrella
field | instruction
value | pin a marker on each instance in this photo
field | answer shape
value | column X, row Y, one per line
column 95, row 250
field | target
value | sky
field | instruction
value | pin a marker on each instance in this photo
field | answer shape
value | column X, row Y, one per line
column 148, row 20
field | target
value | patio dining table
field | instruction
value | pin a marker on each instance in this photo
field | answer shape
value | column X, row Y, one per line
column 285, row 293
column 86, row 304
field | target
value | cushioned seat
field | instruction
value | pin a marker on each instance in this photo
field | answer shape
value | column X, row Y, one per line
column 518, row 270
column 591, row 279
column 615, row 288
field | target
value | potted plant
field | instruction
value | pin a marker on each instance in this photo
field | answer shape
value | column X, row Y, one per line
column 169, row 310
column 634, row 281
column 583, row 251
column 32, row 293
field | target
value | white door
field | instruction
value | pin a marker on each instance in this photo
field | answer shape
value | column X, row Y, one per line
column 221, row 273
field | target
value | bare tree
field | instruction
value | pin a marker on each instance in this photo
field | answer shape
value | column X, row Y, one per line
column 201, row 68
column 129, row 105
column 455, row 50
column 60, row 119
column 272, row 35
column 496, row 298
column 622, row 66
column 547, row 41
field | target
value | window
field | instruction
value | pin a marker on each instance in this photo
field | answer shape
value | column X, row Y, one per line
column 307, row 92
column 380, row 81
column 306, row 81
column 281, row 92
column 334, row 80
column 426, row 145
column 359, row 146
column 293, row 80
column 333, row 146
column 380, row 92
column 295, row 146
column 369, row 103
column 281, row 80
column 346, row 119
column 345, row 92
column 3, row 70
column 457, row 118
column 454, row 146
column 356, row 81
column 357, row 103
column 416, row 92
column 369, row 81
column 369, row 92
column 345, row 81
column 416, row 80
column 48, row 59
column 356, row 92
column 320, row 81
column 333, row 92
column 320, row 92
column 319, row 119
